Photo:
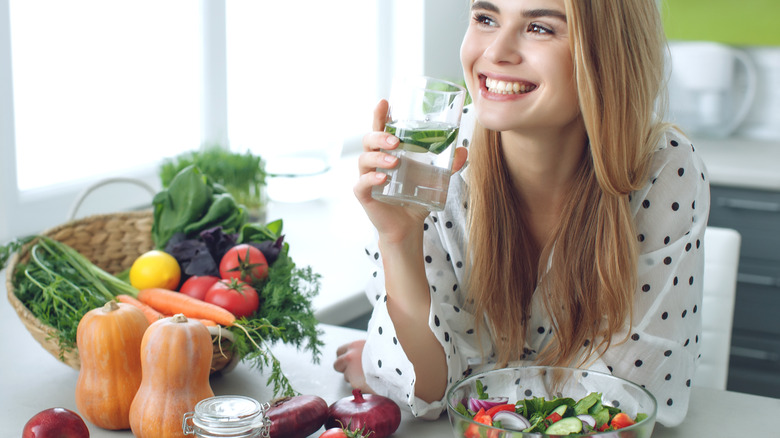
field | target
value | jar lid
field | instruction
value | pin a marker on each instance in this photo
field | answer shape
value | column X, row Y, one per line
column 228, row 413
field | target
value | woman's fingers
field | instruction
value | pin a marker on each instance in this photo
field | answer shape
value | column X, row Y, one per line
column 349, row 362
column 370, row 161
column 376, row 140
column 380, row 115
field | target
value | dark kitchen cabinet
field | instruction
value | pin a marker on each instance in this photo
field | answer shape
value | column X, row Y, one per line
column 754, row 365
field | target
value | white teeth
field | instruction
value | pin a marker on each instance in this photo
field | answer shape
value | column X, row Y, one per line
column 503, row 87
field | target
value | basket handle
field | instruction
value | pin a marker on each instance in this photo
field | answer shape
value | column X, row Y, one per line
column 83, row 195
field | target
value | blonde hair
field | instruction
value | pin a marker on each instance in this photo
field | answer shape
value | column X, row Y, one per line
column 588, row 290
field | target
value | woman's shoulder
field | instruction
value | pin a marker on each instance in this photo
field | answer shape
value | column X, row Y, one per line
column 674, row 142
column 674, row 148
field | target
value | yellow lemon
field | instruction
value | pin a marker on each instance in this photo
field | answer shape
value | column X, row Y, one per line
column 155, row 269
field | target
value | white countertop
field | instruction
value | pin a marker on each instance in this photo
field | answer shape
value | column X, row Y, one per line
column 32, row 380
column 741, row 162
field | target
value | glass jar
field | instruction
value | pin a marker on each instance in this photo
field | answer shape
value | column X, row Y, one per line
column 228, row 416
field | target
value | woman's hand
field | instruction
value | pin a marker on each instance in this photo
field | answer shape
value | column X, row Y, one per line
column 391, row 221
column 349, row 362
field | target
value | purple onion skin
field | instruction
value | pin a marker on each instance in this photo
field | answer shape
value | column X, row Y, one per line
column 373, row 413
column 476, row 404
column 297, row 417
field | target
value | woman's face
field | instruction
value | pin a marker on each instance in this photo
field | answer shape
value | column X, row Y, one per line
column 518, row 65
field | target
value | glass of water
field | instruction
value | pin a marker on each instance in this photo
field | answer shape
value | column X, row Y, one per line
column 425, row 115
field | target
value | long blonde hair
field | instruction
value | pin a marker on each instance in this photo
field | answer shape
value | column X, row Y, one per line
column 618, row 53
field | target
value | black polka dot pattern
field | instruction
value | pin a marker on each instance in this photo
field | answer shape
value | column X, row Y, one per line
column 659, row 352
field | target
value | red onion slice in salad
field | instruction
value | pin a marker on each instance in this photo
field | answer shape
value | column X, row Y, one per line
column 476, row 404
column 511, row 420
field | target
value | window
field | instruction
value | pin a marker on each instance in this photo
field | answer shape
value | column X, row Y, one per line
column 102, row 87
column 93, row 89
column 298, row 80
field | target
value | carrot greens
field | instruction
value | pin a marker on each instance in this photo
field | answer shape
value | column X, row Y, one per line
column 59, row 286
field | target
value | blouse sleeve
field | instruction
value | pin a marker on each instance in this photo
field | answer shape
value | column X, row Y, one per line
column 661, row 350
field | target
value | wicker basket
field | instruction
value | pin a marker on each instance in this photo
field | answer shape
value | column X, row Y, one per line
column 112, row 242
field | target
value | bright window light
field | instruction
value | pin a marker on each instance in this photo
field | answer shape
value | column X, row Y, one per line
column 102, row 86
column 301, row 80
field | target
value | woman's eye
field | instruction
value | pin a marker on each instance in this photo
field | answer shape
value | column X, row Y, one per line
column 484, row 20
column 537, row 28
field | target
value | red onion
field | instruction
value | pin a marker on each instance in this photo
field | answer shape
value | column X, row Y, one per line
column 511, row 420
column 476, row 404
column 585, row 418
column 373, row 413
column 297, row 417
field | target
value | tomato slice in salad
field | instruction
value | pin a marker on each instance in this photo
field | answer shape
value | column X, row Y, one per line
column 498, row 408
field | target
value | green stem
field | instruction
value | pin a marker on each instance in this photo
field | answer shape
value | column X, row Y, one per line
column 47, row 290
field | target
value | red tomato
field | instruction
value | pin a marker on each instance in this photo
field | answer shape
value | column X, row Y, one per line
column 498, row 408
column 337, row 432
column 621, row 420
column 243, row 262
column 238, row 298
column 480, row 417
column 197, row 286
column 554, row 417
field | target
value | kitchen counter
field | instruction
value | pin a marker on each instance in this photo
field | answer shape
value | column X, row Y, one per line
column 32, row 380
column 741, row 162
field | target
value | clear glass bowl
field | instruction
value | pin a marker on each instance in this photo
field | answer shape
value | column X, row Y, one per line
column 550, row 382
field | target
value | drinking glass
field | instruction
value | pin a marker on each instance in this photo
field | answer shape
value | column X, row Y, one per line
column 425, row 115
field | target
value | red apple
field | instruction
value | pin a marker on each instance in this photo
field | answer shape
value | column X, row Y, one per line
column 55, row 423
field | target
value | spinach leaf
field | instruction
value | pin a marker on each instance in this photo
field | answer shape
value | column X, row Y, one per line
column 193, row 203
column 181, row 204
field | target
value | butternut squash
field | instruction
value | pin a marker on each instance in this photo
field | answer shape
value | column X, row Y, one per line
column 109, row 339
column 176, row 358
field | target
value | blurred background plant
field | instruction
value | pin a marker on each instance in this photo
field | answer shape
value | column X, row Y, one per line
column 242, row 174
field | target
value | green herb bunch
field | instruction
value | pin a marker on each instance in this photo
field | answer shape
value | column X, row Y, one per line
column 242, row 175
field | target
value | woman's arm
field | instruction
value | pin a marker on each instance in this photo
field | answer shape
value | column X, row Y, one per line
column 409, row 304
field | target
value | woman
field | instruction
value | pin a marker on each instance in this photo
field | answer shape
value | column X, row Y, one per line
column 573, row 235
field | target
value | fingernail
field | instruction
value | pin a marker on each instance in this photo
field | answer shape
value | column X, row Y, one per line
column 391, row 140
column 389, row 158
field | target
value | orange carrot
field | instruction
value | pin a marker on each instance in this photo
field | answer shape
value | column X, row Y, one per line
column 151, row 314
column 170, row 302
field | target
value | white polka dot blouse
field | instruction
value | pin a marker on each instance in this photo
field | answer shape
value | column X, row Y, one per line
column 662, row 347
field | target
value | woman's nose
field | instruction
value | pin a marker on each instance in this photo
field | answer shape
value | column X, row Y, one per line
column 504, row 48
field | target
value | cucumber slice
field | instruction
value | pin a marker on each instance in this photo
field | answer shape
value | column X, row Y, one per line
column 430, row 138
column 411, row 147
column 565, row 426
column 560, row 410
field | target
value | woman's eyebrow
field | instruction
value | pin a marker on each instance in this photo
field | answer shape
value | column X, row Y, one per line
column 529, row 13
column 481, row 4
column 539, row 13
